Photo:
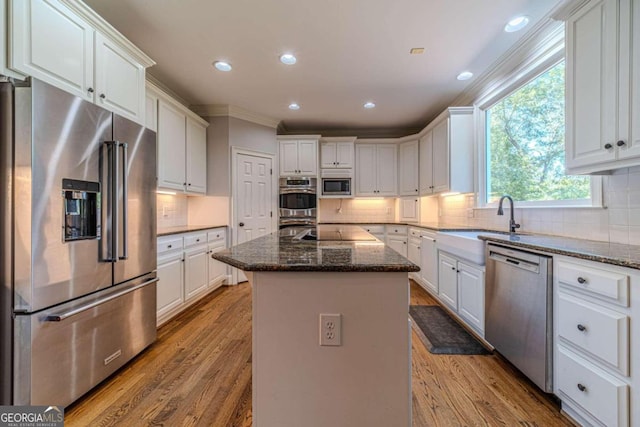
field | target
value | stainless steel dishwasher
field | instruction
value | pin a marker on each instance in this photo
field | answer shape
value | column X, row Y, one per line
column 518, row 314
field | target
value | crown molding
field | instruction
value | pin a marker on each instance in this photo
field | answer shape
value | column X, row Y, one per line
column 567, row 8
column 156, row 84
column 217, row 110
column 98, row 22
column 338, row 138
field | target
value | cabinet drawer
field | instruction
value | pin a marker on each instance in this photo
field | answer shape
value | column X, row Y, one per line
column 606, row 285
column 600, row 332
column 169, row 243
column 373, row 229
column 601, row 395
column 216, row 235
column 397, row 229
column 414, row 232
column 195, row 239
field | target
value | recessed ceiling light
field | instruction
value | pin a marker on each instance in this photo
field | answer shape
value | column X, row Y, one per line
column 288, row 59
column 465, row 75
column 294, row 106
column 417, row 51
column 516, row 24
column 369, row 105
column 222, row 66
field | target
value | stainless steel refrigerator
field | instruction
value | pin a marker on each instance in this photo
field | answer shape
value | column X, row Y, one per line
column 78, row 233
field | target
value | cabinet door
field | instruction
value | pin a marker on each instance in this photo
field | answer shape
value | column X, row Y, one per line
column 288, row 158
column 171, row 284
column 387, row 169
column 308, row 157
column 171, row 146
column 151, row 111
column 471, row 296
column 441, row 157
column 429, row 264
column 328, row 155
column 408, row 168
column 409, row 209
column 398, row 244
column 592, row 84
column 344, row 155
column 366, row 170
column 51, row 43
column 413, row 252
column 426, row 164
column 196, row 157
column 448, row 281
column 217, row 269
column 196, row 274
column 120, row 83
column 632, row 21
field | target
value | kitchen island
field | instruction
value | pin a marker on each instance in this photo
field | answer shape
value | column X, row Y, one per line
column 362, row 375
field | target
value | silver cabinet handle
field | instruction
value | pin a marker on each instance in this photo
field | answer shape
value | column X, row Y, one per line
column 58, row 317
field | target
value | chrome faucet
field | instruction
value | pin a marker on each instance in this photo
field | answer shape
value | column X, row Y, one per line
column 512, row 222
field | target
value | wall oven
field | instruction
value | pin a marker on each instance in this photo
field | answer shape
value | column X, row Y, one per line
column 298, row 201
column 336, row 183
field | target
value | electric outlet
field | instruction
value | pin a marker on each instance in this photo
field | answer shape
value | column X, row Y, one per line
column 330, row 329
column 164, row 211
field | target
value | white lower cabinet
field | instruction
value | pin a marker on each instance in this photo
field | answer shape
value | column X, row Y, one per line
column 413, row 251
column 397, row 238
column 595, row 352
column 461, row 288
column 186, row 270
column 429, row 262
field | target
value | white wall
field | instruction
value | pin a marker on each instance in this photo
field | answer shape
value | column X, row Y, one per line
column 208, row 211
column 619, row 222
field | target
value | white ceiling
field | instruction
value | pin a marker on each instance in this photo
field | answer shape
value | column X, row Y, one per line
column 349, row 52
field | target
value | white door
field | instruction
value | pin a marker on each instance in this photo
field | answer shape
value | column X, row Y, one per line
column 448, row 281
column 441, row 157
column 308, row 157
column 426, row 164
column 288, row 158
column 196, row 157
column 328, row 153
column 366, row 170
column 387, row 168
column 409, row 164
column 253, row 199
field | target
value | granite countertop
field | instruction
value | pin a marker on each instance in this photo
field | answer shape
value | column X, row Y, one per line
column 166, row 231
column 437, row 226
column 605, row 252
column 284, row 253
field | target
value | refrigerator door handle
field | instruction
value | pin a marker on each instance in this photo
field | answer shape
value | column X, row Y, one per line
column 112, row 202
column 58, row 317
column 125, row 200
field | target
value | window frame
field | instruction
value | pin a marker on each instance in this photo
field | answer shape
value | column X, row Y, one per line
column 550, row 57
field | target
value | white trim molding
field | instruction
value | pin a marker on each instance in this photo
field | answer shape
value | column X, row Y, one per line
column 236, row 112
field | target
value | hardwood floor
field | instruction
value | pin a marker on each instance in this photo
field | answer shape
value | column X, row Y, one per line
column 198, row 372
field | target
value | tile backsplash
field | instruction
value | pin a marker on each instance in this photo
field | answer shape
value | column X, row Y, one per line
column 356, row 210
column 172, row 210
column 618, row 222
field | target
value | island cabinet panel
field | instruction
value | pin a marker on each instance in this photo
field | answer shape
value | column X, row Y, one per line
column 295, row 379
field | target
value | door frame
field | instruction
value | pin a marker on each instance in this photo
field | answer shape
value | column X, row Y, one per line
column 235, row 151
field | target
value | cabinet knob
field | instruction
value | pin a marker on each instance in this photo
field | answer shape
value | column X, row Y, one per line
column 582, row 388
column 453, row 268
column 103, row 96
column 608, row 146
column 404, row 243
column 337, row 163
column 416, row 190
column 90, row 90
column 620, row 143
column 184, row 183
column 582, row 328
column 241, row 224
column 197, row 240
column 169, row 246
column 217, row 235
column 582, row 280
column 189, row 184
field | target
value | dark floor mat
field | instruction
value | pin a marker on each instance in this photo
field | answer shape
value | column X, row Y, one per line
column 443, row 334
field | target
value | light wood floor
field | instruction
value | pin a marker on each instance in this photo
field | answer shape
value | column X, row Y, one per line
column 198, row 372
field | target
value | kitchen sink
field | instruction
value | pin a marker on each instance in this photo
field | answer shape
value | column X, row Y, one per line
column 465, row 244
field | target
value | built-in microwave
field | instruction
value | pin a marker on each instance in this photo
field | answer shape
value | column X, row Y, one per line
column 336, row 183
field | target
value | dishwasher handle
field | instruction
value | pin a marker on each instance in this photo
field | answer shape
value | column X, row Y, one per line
column 515, row 262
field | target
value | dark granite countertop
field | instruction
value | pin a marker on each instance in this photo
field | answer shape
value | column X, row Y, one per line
column 437, row 226
column 166, row 231
column 605, row 252
column 284, row 253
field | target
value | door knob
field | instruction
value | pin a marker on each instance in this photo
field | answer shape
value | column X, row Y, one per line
column 241, row 224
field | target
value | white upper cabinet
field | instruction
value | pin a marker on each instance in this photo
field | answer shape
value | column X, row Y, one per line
column 196, row 156
column 298, row 157
column 426, row 164
column 336, row 153
column 446, row 158
column 409, row 209
column 120, row 80
column 602, row 96
column 182, row 147
column 408, row 168
column 376, row 170
column 151, row 109
column 67, row 45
